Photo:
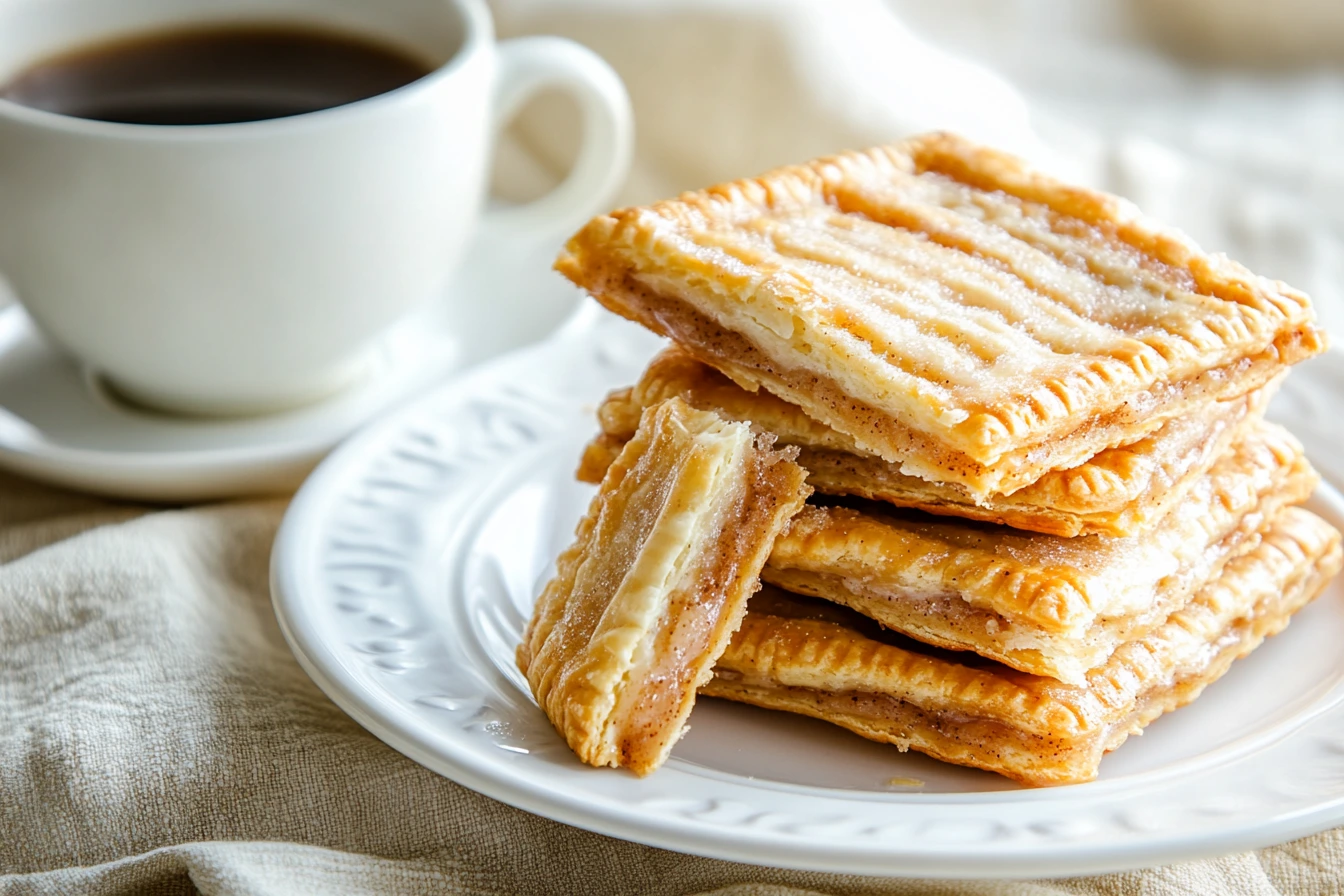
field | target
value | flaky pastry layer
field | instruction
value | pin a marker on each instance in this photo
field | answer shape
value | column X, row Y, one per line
column 1046, row 605
column 802, row 656
column 949, row 309
column 1121, row 491
column 656, row 582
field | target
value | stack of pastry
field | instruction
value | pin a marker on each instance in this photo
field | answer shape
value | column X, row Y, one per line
column 1047, row 505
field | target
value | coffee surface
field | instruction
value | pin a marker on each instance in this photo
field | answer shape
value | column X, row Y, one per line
column 214, row 75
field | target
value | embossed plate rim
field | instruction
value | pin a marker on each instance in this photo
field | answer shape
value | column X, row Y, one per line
column 1087, row 829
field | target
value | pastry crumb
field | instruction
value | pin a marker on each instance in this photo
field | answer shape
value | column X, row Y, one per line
column 904, row 782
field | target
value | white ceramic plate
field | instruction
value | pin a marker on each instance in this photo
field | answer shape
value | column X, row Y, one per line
column 407, row 565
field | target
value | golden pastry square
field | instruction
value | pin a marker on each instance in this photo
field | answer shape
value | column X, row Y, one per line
column 1122, row 491
column 946, row 307
column 656, row 582
column 1046, row 605
column 808, row 657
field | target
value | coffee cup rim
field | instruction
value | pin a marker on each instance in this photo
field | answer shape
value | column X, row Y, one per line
column 478, row 30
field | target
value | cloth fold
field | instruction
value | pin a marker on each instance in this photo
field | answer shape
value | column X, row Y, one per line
column 157, row 736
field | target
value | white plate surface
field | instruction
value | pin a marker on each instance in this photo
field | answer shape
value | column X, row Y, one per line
column 406, row 567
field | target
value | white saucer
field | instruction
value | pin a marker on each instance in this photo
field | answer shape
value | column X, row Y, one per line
column 407, row 565
column 59, row 425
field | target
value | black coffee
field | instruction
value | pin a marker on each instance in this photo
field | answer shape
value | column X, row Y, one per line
column 214, row 75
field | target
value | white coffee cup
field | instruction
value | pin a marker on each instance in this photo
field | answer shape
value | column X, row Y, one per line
column 238, row 268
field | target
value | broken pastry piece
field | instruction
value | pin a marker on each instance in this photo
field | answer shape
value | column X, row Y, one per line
column 1050, row 606
column 1121, row 491
column 947, row 308
column 808, row 657
column 656, row 582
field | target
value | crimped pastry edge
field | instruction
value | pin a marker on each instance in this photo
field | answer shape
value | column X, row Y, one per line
column 1117, row 492
column 593, row 260
column 1048, row 733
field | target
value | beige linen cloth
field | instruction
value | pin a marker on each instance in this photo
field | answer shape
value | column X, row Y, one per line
column 156, row 736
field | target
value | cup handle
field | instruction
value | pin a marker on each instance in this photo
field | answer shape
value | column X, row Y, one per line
column 529, row 64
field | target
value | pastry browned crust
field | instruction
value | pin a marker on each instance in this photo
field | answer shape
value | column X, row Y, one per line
column 1046, row 605
column 946, row 307
column 1121, row 491
column 795, row 654
column 656, row 582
